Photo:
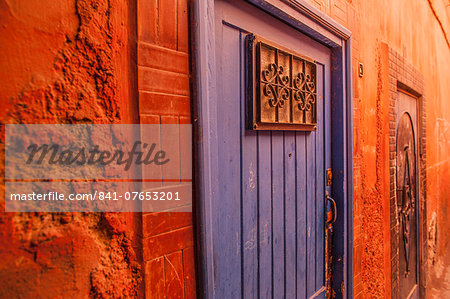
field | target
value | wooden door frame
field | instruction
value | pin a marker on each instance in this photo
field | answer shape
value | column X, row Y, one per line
column 307, row 19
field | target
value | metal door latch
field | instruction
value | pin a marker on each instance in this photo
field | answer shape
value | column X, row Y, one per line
column 329, row 177
column 332, row 214
column 331, row 218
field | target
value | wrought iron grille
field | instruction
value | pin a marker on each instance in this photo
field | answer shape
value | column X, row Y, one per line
column 284, row 88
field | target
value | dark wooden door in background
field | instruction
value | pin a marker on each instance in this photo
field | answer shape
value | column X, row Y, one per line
column 268, row 229
column 407, row 192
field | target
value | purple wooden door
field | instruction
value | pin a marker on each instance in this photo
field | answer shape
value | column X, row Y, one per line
column 268, row 229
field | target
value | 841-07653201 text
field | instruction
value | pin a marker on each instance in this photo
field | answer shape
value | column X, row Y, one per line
column 97, row 195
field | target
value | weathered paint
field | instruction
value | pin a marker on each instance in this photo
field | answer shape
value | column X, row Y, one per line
column 75, row 62
column 210, row 182
column 285, row 171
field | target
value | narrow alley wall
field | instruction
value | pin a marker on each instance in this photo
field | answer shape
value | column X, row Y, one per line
column 419, row 32
column 86, row 61
column 68, row 62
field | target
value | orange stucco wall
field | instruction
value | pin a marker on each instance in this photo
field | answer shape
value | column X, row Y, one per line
column 84, row 61
column 414, row 29
column 68, row 62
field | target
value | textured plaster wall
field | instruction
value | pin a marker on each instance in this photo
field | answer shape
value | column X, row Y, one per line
column 68, row 62
column 414, row 29
column 89, row 61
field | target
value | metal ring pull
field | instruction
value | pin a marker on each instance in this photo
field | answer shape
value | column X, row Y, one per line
column 333, row 208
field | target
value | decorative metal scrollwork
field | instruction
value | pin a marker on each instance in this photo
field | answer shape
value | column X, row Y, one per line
column 285, row 88
column 406, row 211
column 275, row 85
column 406, row 196
column 305, row 91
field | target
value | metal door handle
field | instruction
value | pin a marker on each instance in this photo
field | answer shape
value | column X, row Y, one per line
column 331, row 218
column 333, row 210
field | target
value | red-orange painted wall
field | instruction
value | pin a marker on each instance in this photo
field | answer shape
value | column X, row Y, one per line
column 68, row 62
column 53, row 54
column 87, row 61
column 414, row 29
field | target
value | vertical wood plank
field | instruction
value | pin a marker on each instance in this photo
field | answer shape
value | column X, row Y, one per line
column 290, row 211
column 301, row 228
column 227, row 252
column 189, row 273
column 167, row 22
column 249, row 215
column 265, row 214
column 173, row 265
column 311, row 216
column 182, row 28
column 278, row 270
column 147, row 21
column 154, row 278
